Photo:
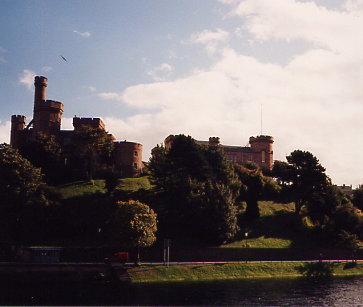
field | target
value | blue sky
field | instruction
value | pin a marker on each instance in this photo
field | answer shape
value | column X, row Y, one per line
column 203, row 68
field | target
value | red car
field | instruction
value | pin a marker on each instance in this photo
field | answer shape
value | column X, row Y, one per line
column 120, row 257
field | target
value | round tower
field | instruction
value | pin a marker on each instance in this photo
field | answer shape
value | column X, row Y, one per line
column 47, row 113
column 128, row 157
column 17, row 125
column 40, row 84
column 262, row 152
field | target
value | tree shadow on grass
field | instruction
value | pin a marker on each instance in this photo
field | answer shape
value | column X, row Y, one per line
column 282, row 225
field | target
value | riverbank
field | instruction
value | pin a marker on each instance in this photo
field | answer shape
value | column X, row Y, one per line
column 229, row 271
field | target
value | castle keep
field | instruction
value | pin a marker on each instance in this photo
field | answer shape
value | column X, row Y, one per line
column 47, row 116
column 259, row 152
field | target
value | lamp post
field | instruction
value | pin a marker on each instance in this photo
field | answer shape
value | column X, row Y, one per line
column 246, row 236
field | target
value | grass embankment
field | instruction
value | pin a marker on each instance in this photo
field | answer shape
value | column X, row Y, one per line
column 271, row 230
column 83, row 188
column 228, row 271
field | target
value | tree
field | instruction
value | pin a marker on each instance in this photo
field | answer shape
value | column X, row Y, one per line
column 302, row 177
column 19, row 179
column 45, row 152
column 19, row 183
column 197, row 190
column 316, row 197
column 358, row 197
column 255, row 187
column 90, row 149
column 133, row 224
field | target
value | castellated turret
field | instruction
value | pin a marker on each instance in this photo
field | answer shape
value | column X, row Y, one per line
column 17, row 127
column 214, row 141
column 95, row 123
column 128, row 155
column 47, row 114
column 261, row 147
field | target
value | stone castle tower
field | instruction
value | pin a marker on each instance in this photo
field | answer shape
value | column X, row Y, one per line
column 47, row 117
column 47, row 114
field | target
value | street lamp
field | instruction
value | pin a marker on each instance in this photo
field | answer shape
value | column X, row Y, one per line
column 246, row 236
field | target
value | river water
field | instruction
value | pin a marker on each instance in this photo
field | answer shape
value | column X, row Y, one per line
column 269, row 292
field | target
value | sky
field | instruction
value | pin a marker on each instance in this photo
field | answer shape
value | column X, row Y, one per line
column 291, row 69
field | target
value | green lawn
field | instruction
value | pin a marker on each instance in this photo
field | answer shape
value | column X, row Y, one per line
column 260, row 242
column 193, row 272
column 134, row 184
column 83, row 188
column 271, row 230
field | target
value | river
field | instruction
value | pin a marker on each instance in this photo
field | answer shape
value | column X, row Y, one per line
column 268, row 292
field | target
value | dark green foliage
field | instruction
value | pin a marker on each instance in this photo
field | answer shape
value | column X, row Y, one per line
column 255, row 187
column 301, row 178
column 358, row 197
column 132, row 225
column 304, row 181
column 19, row 179
column 196, row 190
column 318, row 269
column 90, row 151
column 348, row 240
column 28, row 206
column 45, row 152
column 111, row 181
column 84, row 218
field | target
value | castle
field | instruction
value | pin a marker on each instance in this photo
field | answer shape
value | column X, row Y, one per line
column 47, row 116
column 259, row 152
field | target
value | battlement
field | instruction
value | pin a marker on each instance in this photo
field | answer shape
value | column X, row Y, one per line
column 126, row 143
column 49, row 105
column 18, row 118
column 262, row 138
column 40, row 80
column 96, row 122
column 214, row 141
column 126, row 158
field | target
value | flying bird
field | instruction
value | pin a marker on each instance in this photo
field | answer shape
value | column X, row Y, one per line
column 64, row 58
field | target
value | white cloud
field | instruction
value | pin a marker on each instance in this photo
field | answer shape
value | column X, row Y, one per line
column 353, row 5
column 27, row 78
column 5, row 132
column 47, row 68
column 210, row 39
column 207, row 36
column 109, row 96
column 314, row 102
column 83, row 34
column 161, row 72
column 91, row 88
column 290, row 20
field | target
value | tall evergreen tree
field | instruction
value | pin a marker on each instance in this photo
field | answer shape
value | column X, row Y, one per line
column 197, row 190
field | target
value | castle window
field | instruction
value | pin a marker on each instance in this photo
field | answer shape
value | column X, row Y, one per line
column 135, row 153
column 135, row 165
column 263, row 156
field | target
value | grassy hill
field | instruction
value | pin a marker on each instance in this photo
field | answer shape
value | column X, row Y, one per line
column 83, row 188
column 276, row 228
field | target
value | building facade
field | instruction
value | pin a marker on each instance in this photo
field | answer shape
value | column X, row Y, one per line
column 47, row 116
column 259, row 151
